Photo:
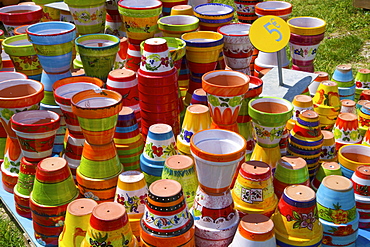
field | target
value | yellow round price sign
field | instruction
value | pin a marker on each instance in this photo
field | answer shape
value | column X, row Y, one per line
column 269, row 33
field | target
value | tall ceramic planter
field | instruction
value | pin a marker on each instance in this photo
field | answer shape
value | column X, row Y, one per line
column 269, row 116
column 98, row 53
column 140, row 19
column 225, row 91
column 88, row 16
column 23, row 56
column 53, row 42
column 306, row 34
column 15, row 95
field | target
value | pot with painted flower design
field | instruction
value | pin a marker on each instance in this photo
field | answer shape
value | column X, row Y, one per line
column 346, row 130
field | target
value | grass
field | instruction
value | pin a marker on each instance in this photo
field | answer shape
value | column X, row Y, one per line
column 10, row 235
column 347, row 37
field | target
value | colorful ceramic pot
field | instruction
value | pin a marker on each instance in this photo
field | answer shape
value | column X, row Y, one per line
column 362, row 81
column 322, row 76
column 48, row 13
column 133, row 57
column 246, row 10
column 17, row 15
column 349, row 106
column 89, row 17
column 23, row 56
column 109, row 224
column 213, row 15
column 328, row 150
column 296, row 218
column 98, row 53
column 277, row 8
column 225, row 91
column 343, row 75
column 269, row 116
column 114, row 25
column 300, row 103
column 76, row 222
column 326, row 169
column 346, row 130
column 36, row 131
column 177, row 25
column 122, row 54
column 124, row 81
column 182, row 10
column 360, row 180
column 216, row 165
column 353, row 156
column 255, row 230
column 253, row 192
column 306, row 34
column 140, row 19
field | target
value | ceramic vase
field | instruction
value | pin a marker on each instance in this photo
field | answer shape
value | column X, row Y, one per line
column 16, row 95
column 325, row 169
column 89, row 17
column 197, row 117
column 132, row 192
column 76, row 222
column 213, row 15
column 346, row 130
column 23, row 56
column 181, row 168
column 327, row 104
column 225, row 98
column 352, row 156
column 177, row 25
column 36, row 131
column 362, row 81
column 17, row 15
column 109, row 224
column 202, row 52
column 296, row 219
column 269, row 116
column 98, row 53
column 47, row 202
column 306, row 33
column 54, row 49
column 337, row 211
column 159, row 145
column 253, row 191
column 140, row 19
column 306, row 140
column 166, row 220
column 255, row 230
column 360, row 180
column 246, row 10
column 128, row 140
column 237, row 48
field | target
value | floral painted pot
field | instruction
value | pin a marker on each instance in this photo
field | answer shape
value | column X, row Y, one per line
column 109, row 224
column 114, row 25
column 36, row 131
column 124, row 81
column 177, row 25
column 17, row 15
column 140, row 19
column 213, row 15
column 225, row 91
column 353, row 156
column 255, row 230
column 97, row 113
column 360, row 180
column 48, row 13
column 346, row 130
column 277, row 8
column 23, row 56
column 328, row 150
column 300, row 103
column 246, row 10
column 216, row 165
column 296, row 218
column 98, row 53
column 89, row 17
column 76, row 222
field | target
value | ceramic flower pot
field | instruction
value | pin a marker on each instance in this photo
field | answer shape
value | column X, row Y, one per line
column 362, row 80
column 343, row 75
column 246, row 10
column 140, row 19
column 109, row 224
column 213, row 15
column 98, row 53
column 360, row 180
column 48, row 13
column 328, row 151
column 76, row 222
column 277, row 8
column 322, row 76
column 124, row 81
column 255, row 230
column 17, row 15
column 16, row 95
column 36, row 131
column 215, row 165
column 23, row 56
column 306, row 35
column 353, row 156
column 89, row 17
column 168, row 4
column 326, row 169
column 296, row 220
column 269, row 116
column 346, row 130
column 348, row 106
column 237, row 48
column 253, row 192
column 133, row 57
column 114, row 25
column 225, row 91
column 364, row 115
column 97, row 113
column 183, row 9
column 9, row 75
column 300, row 103
column 177, row 25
